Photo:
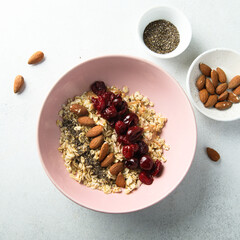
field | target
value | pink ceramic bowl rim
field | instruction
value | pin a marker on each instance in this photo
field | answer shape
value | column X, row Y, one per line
column 171, row 79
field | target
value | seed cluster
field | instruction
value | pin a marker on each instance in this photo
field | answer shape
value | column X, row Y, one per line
column 161, row 36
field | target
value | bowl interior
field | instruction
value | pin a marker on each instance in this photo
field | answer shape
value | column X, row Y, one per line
column 174, row 16
column 169, row 99
column 229, row 61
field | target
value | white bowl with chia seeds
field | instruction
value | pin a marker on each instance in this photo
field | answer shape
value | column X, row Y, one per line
column 229, row 61
column 168, row 46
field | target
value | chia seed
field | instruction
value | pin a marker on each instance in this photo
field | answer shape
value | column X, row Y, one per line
column 161, row 36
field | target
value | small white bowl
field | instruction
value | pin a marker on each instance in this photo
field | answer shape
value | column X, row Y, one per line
column 229, row 61
column 172, row 15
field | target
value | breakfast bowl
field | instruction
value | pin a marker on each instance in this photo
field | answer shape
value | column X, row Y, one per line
column 169, row 99
column 229, row 61
column 174, row 16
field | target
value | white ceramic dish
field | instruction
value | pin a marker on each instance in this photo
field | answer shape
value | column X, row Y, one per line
column 172, row 15
column 229, row 61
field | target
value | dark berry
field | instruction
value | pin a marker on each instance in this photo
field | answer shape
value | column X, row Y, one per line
column 120, row 127
column 132, row 163
column 128, row 151
column 120, row 138
column 108, row 97
column 143, row 148
column 134, row 134
column 158, row 168
column 146, row 162
column 145, row 178
column 125, row 141
column 131, row 119
column 109, row 112
column 135, row 147
column 98, row 87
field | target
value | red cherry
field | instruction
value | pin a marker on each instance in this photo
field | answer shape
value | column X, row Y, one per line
column 145, row 178
column 128, row 151
column 98, row 87
column 134, row 134
column 131, row 119
column 146, row 162
column 132, row 163
column 120, row 127
column 158, row 168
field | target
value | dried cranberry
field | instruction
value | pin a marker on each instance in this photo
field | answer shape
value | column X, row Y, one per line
column 146, row 162
column 95, row 102
column 143, row 148
column 134, row 134
column 128, row 151
column 125, row 141
column 109, row 112
column 145, row 178
column 120, row 138
column 98, row 87
column 158, row 168
column 135, row 147
column 117, row 102
column 108, row 97
column 131, row 119
column 120, row 127
column 132, row 163
column 112, row 122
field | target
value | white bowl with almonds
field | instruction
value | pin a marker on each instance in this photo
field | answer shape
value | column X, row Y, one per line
column 213, row 84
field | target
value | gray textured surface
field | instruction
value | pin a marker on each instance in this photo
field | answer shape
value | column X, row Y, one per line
column 204, row 206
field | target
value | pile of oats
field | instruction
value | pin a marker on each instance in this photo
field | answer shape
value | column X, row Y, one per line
column 82, row 162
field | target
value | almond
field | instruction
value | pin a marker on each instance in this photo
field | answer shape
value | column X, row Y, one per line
column 201, row 82
column 214, row 77
column 78, row 109
column 221, row 88
column 120, row 181
column 203, row 95
column 205, row 69
column 36, row 57
column 237, row 90
column 18, row 83
column 103, row 151
column 86, row 121
column 96, row 142
column 108, row 160
column 209, row 86
column 223, row 96
column 223, row 105
column 213, row 154
column 232, row 97
column 211, row 101
column 235, row 82
column 95, row 131
column 221, row 75
column 116, row 168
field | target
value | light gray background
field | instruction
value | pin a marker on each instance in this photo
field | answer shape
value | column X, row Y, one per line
column 204, row 206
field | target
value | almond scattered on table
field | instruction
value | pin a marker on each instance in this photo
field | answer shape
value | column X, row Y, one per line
column 18, row 83
column 213, row 154
column 36, row 57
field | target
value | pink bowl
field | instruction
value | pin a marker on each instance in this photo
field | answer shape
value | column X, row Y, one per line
column 170, row 100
